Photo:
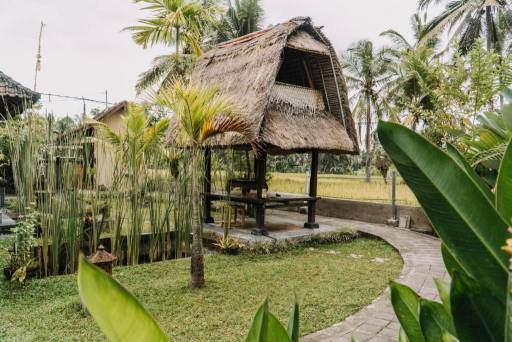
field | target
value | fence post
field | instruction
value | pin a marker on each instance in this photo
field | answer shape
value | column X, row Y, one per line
column 394, row 219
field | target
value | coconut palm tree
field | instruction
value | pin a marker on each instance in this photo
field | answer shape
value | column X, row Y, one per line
column 178, row 23
column 201, row 113
column 164, row 70
column 472, row 19
column 418, row 24
column 368, row 73
column 412, row 90
column 242, row 17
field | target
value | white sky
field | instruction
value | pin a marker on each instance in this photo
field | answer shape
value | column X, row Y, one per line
column 85, row 52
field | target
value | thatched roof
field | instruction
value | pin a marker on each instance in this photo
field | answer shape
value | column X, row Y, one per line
column 289, row 85
column 14, row 97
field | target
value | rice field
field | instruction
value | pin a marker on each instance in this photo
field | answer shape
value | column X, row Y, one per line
column 345, row 187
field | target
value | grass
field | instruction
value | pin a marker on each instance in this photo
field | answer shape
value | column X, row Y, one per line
column 346, row 187
column 329, row 283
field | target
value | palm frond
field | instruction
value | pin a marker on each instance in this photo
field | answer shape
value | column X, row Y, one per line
column 224, row 124
column 397, row 39
column 452, row 13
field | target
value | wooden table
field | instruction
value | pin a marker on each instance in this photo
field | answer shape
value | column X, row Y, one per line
column 271, row 201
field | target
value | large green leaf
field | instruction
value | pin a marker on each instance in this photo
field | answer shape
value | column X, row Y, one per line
column 293, row 323
column 406, row 305
column 259, row 326
column 494, row 122
column 119, row 315
column 504, row 186
column 276, row 332
column 443, row 288
column 402, row 336
column 476, row 312
column 447, row 337
column 459, row 159
column 451, row 263
column 462, row 215
column 266, row 327
column 508, row 322
column 506, row 112
column 434, row 320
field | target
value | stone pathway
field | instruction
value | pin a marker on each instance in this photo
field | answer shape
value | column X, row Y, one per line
column 377, row 322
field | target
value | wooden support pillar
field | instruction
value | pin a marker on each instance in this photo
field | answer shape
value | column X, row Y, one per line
column 261, row 170
column 207, row 188
column 313, row 181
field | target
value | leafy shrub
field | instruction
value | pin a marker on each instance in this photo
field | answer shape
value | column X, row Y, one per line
column 471, row 222
column 24, row 241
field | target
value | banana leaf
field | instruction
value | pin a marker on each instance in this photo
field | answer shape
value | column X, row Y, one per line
column 434, row 320
column 462, row 215
column 406, row 304
column 474, row 311
column 119, row 315
column 504, row 186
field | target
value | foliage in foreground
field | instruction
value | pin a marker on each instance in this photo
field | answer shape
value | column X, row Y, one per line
column 107, row 300
column 471, row 222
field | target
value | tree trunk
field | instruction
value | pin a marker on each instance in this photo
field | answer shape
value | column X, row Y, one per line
column 368, row 141
column 197, row 260
column 177, row 40
column 492, row 35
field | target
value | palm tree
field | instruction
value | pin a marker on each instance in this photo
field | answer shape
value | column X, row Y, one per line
column 178, row 23
column 242, row 17
column 418, row 25
column 368, row 74
column 201, row 113
column 472, row 19
column 164, row 70
column 133, row 146
column 412, row 89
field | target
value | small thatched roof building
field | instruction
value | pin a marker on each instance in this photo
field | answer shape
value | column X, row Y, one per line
column 289, row 86
column 14, row 97
column 288, row 82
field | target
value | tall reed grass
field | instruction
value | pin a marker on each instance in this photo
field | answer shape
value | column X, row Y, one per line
column 56, row 177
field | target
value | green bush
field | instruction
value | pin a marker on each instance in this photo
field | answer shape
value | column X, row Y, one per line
column 471, row 222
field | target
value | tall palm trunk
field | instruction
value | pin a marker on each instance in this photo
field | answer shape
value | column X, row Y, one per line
column 197, row 260
column 368, row 140
column 492, row 35
column 177, row 40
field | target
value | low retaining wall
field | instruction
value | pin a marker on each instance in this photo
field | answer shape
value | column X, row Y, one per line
column 372, row 212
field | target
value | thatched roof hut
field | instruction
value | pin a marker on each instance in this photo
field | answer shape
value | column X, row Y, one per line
column 288, row 83
column 14, row 97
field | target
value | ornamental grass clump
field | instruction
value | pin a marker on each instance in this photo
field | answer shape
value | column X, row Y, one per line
column 134, row 146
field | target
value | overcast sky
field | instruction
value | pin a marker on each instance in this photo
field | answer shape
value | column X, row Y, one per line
column 85, row 52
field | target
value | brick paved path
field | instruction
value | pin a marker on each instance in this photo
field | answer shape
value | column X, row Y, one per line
column 377, row 322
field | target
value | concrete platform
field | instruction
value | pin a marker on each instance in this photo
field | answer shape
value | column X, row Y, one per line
column 281, row 226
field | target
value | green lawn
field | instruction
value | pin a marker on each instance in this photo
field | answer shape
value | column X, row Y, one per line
column 330, row 284
column 346, row 187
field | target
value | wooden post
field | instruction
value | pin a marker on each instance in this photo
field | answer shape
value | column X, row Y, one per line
column 313, row 180
column 261, row 170
column 207, row 185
